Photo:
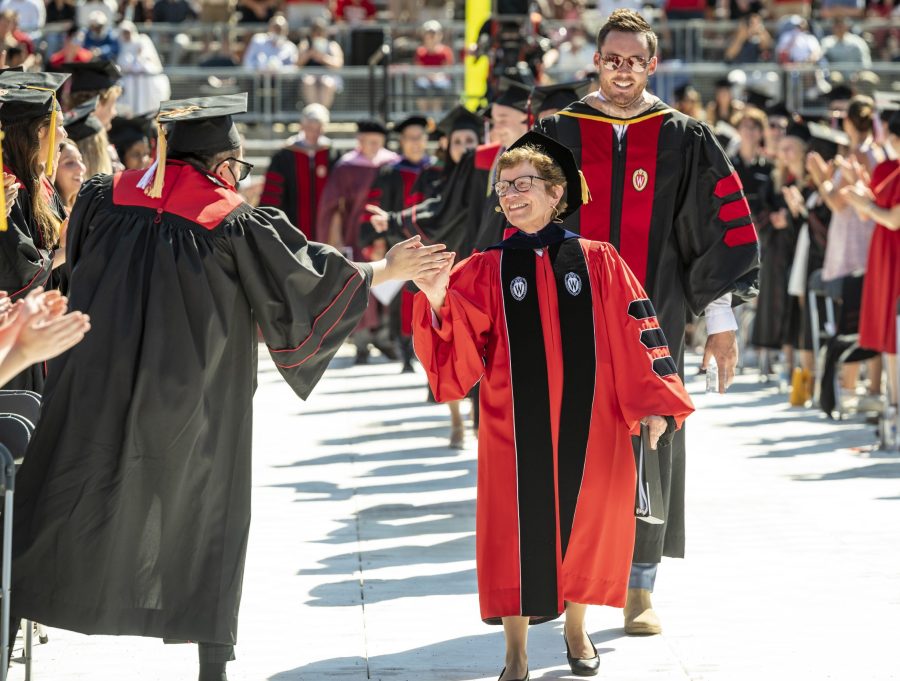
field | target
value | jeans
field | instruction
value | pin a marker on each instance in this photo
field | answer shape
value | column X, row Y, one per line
column 643, row 576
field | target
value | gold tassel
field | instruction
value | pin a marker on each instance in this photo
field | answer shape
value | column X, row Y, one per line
column 3, row 226
column 155, row 190
column 585, row 191
column 51, row 152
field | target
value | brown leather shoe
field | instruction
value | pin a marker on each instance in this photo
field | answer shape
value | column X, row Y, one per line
column 640, row 618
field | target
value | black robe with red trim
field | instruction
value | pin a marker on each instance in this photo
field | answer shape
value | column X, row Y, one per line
column 26, row 262
column 570, row 357
column 456, row 215
column 133, row 504
column 294, row 183
column 668, row 199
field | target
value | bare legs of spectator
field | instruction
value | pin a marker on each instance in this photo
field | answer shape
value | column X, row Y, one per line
column 892, row 379
column 319, row 90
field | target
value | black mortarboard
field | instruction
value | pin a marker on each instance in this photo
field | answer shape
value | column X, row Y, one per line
column 778, row 109
column 758, row 98
column 894, row 124
column 839, row 92
column 577, row 192
column 513, row 94
column 559, row 96
column 371, row 125
column 99, row 74
column 125, row 132
column 202, row 126
column 682, row 91
column 460, row 118
column 81, row 123
column 25, row 96
column 798, row 129
column 421, row 121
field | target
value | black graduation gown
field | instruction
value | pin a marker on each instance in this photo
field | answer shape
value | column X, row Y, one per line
column 455, row 216
column 668, row 199
column 133, row 504
column 294, row 183
column 25, row 264
column 777, row 314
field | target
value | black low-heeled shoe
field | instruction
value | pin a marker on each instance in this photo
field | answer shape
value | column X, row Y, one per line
column 527, row 676
column 588, row 667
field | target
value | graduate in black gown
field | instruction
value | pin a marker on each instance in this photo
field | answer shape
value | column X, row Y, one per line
column 32, row 246
column 666, row 196
column 133, row 504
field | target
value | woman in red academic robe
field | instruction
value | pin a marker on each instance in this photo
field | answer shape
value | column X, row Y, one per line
column 571, row 361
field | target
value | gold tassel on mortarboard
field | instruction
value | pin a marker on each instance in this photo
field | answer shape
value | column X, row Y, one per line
column 51, row 140
column 3, row 226
column 585, row 191
column 155, row 190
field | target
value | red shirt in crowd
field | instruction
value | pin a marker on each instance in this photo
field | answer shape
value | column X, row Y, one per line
column 354, row 10
column 685, row 6
column 81, row 56
column 442, row 56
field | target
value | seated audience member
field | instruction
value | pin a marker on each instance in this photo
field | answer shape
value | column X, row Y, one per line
column 70, row 172
column 59, row 11
column 144, row 84
column 100, row 38
column 751, row 43
column 797, row 44
column 319, row 51
column 843, row 47
column 72, row 49
column 32, row 14
column 271, row 51
column 173, row 11
column 433, row 53
column 354, row 11
column 256, row 11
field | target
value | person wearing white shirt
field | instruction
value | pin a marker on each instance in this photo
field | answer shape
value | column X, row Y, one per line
column 32, row 13
column 271, row 51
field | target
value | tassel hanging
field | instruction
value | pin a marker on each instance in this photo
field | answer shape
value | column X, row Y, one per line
column 3, row 226
column 51, row 141
column 155, row 190
column 585, row 191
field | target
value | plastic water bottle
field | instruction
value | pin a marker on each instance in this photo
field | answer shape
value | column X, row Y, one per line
column 712, row 377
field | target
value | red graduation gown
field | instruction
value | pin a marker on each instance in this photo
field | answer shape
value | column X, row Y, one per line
column 472, row 344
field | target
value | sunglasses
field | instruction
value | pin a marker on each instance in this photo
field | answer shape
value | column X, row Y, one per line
column 613, row 62
column 244, row 168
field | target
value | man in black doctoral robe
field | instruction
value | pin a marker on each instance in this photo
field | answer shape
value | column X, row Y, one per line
column 133, row 504
column 665, row 195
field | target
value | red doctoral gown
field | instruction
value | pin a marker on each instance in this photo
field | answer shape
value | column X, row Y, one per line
column 556, row 474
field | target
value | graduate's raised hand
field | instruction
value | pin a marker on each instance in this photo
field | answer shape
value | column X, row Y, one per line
column 434, row 284
column 410, row 259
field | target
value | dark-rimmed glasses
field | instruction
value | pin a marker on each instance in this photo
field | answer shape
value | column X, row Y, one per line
column 613, row 62
column 522, row 184
column 244, row 168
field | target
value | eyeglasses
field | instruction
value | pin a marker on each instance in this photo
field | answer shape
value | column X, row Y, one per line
column 522, row 184
column 244, row 168
column 613, row 62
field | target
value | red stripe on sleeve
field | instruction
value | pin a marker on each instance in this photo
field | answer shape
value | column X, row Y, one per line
column 274, row 177
column 596, row 164
column 728, row 185
column 740, row 236
column 734, row 210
